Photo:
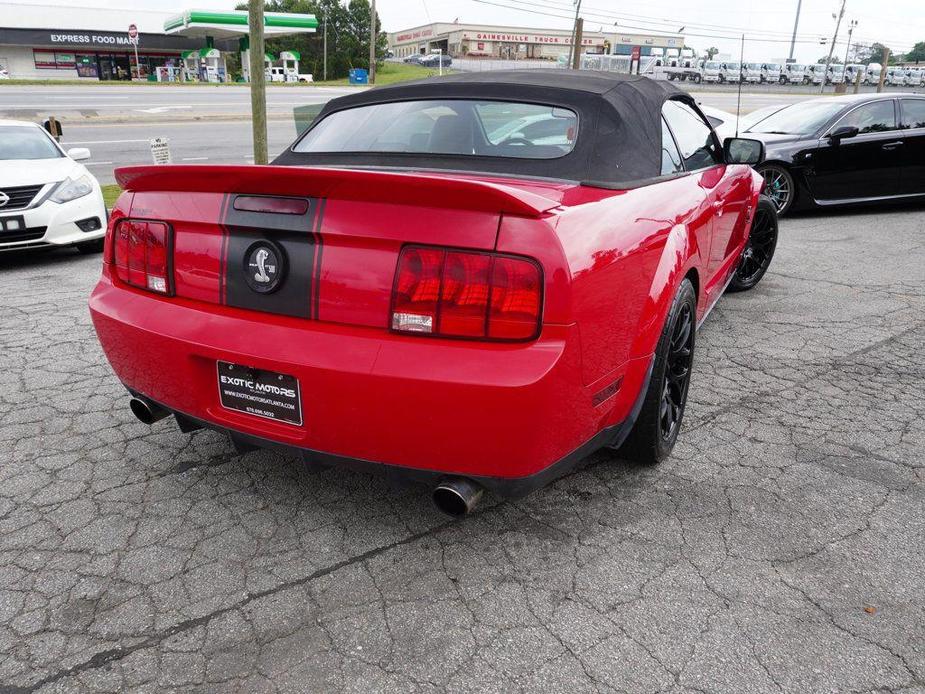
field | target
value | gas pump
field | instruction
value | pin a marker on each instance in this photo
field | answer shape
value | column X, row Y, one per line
column 291, row 73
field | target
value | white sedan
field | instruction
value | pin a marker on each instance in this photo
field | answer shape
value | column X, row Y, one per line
column 47, row 198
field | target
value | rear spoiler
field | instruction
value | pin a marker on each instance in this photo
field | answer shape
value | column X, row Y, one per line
column 422, row 189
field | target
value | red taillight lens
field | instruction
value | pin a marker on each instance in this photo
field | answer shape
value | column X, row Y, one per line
column 515, row 299
column 142, row 254
column 417, row 289
column 464, row 295
column 459, row 294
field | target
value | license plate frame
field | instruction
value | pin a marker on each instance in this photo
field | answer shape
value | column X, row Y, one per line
column 259, row 392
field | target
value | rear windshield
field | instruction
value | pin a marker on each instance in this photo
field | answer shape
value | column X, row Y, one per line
column 447, row 126
column 22, row 142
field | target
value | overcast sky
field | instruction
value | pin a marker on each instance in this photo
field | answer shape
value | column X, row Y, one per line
column 767, row 24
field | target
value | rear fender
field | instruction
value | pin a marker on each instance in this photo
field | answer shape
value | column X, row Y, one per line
column 678, row 258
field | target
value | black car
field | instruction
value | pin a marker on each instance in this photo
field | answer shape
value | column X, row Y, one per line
column 844, row 149
column 435, row 60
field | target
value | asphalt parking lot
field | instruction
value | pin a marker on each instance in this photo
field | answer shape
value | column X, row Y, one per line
column 781, row 548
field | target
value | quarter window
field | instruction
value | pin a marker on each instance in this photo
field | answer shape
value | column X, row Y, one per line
column 671, row 157
column 694, row 137
column 876, row 117
column 913, row 113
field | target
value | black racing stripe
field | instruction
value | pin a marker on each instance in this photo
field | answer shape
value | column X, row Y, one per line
column 223, row 260
column 293, row 237
column 319, row 248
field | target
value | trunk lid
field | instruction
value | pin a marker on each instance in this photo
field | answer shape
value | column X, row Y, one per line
column 316, row 243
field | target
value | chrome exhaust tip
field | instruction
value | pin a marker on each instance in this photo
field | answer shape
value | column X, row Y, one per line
column 147, row 412
column 457, row 496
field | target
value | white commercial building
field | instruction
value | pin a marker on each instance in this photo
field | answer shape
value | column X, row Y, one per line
column 477, row 40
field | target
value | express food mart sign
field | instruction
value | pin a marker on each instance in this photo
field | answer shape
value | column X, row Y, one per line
column 81, row 38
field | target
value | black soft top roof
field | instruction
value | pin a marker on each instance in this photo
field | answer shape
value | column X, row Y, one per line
column 619, row 123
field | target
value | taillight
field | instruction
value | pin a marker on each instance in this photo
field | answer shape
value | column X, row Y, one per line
column 453, row 293
column 141, row 252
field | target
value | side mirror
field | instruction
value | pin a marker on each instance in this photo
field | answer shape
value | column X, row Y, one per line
column 79, row 153
column 740, row 150
column 843, row 132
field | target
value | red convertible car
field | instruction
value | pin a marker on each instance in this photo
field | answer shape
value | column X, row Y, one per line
column 473, row 281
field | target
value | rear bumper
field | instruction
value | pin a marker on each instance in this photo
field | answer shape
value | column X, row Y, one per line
column 498, row 413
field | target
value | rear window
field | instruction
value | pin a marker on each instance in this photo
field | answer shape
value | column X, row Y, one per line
column 447, row 126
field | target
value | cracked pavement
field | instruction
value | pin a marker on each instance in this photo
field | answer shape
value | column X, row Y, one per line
column 781, row 548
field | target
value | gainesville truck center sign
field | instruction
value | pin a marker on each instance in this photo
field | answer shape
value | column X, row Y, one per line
column 530, row 38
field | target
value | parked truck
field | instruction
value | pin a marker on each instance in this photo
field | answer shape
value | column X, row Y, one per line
column 751, row 73
column 852, row 70
column 770, row 72
column 895, row 77
column 872, row 74
column 793, row 73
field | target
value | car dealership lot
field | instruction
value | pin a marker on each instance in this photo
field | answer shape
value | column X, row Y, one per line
column 780, row 548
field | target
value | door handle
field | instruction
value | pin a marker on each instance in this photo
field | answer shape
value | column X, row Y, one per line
column 892, row 145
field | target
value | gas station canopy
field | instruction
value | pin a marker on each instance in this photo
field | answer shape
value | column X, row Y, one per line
column 233, row 24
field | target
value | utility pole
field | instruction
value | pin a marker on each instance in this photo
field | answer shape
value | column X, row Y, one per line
column 325, row 53
column 576, row 53
column 372, row 42
column 886, row 64
column 258, row 80
column 851, row 25
column 796, row 23
column 828, row 60
column 571, row 48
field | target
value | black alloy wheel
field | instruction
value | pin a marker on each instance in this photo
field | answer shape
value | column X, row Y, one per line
column 779, row 187
column 677, row 374
column 656, row 428
column 759, row 249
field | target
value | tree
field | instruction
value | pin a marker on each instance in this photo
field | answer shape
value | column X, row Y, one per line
column 862, row 53
column 877, row 52
column 917, row 53
column 348, row 36
column 835, row 60
column 711, row 51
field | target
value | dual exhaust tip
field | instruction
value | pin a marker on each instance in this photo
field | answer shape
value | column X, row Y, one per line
column 146, row 411
column 454, row 496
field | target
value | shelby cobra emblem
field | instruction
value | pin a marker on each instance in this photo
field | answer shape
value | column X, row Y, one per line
column 263, row 267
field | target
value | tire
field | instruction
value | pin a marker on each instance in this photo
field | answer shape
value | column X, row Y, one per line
column 90, row 247
column 697, row 79
column 720, row 79
column 782, row 79
column 656, row 429
column 779, row 187
column 759, row 250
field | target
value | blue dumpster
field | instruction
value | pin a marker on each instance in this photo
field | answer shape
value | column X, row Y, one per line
column 358, row 76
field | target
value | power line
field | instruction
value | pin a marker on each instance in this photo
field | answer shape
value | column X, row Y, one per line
column 753, row 37
column 753, row 34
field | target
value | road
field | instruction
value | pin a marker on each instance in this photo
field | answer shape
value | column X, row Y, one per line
column 781, row 548
column 199, row 142
column 76, row 103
